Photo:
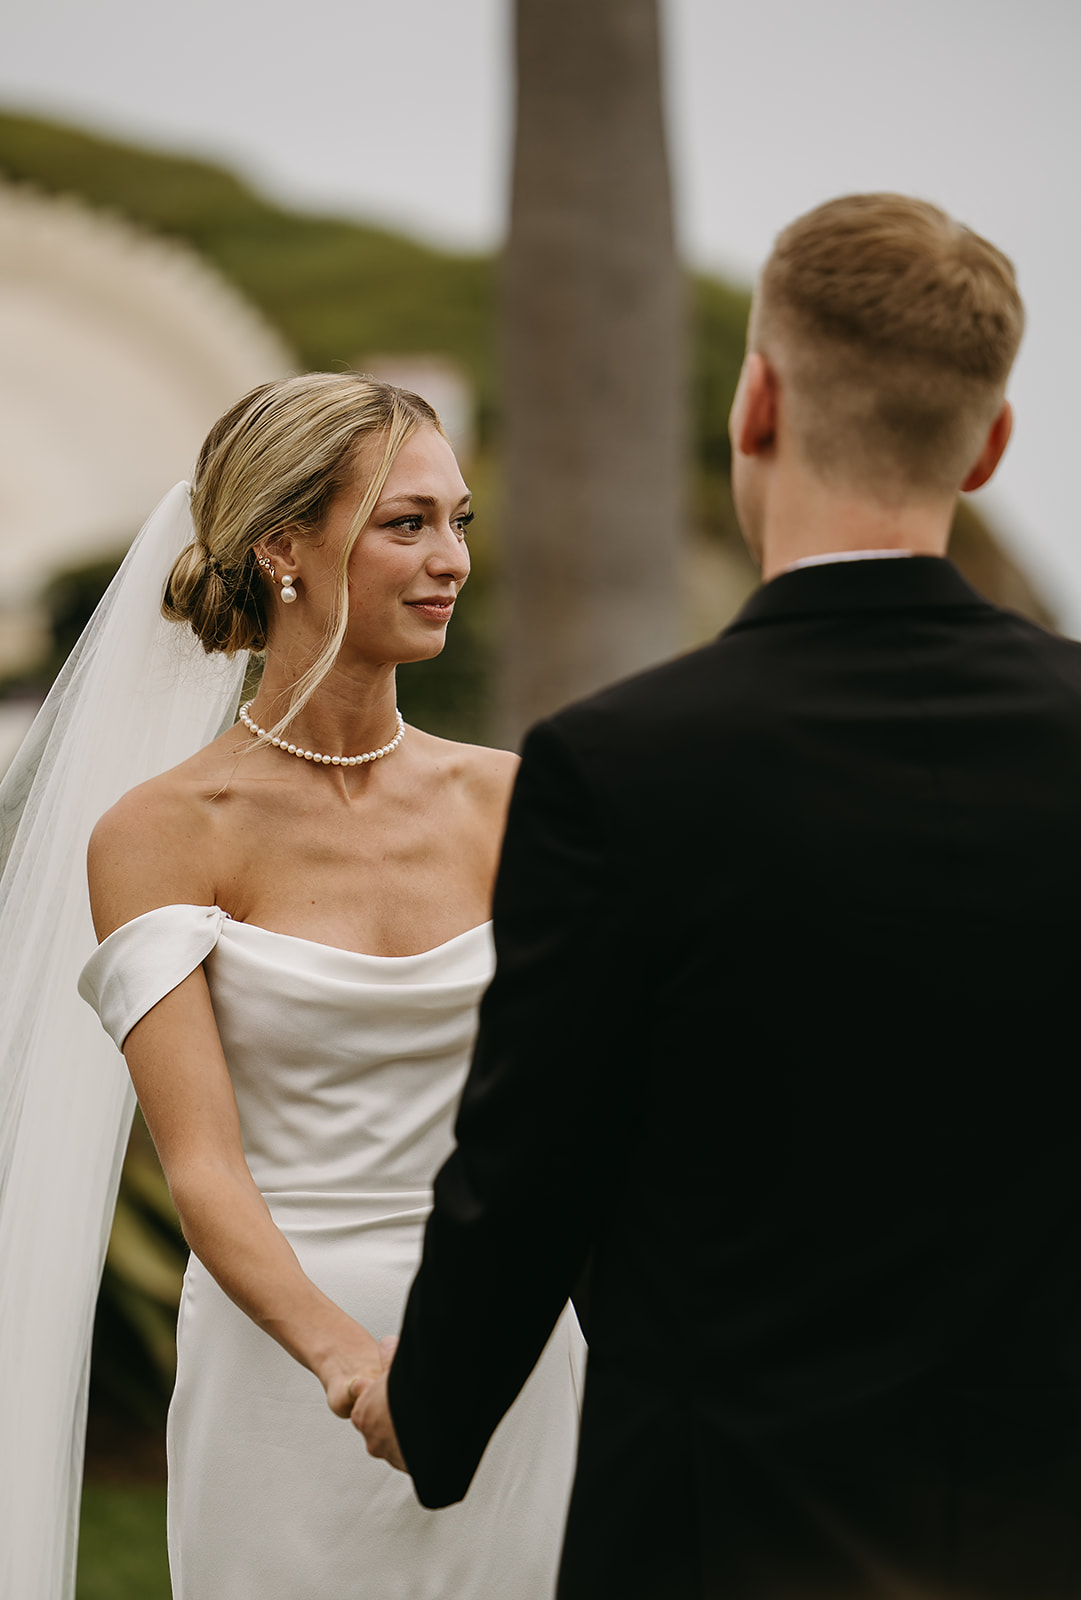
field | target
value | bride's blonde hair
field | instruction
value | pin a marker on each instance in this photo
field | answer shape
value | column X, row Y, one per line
column 275, row 460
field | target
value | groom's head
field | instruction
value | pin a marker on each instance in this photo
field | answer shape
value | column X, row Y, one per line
column 891, row 330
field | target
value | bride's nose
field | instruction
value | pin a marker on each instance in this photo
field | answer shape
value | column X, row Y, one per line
column 450, row 558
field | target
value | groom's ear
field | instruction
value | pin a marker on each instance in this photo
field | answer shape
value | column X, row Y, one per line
column 994, row 445
column 752, row 423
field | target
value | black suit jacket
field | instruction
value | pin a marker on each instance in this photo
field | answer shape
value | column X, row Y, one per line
column 783, row 1042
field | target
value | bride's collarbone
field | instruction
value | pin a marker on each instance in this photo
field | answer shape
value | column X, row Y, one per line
column 370, row 920
column 370, row 897
column 415, row 832
column 334, row 850
column 323, row 810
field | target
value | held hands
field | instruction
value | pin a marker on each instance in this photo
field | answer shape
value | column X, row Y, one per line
column 355, row 1381
column 371, row 1413
column 357, row 1363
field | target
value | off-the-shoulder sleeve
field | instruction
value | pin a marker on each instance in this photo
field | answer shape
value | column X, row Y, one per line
column 142, row 961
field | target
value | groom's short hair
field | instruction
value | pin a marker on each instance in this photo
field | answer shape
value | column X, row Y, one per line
column 894, row 328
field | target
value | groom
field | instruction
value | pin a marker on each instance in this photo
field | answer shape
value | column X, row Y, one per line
column 783, row 1045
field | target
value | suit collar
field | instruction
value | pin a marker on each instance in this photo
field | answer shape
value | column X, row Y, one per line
column 859, row 586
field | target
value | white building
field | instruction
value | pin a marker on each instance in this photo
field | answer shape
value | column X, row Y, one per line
column 118, row 349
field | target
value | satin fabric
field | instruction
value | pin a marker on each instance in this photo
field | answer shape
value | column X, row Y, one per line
column 347, row 1070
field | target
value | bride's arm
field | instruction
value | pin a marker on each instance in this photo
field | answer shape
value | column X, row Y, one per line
column 177, row 1065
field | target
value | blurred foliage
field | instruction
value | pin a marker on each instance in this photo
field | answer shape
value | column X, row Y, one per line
column 68, row 603
column 69, row 600
column 718, row 317
column 134, row 1355
column 990, row 568
column 122, row 1553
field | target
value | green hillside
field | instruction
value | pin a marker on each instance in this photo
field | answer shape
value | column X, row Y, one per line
column 339, row 290
column 336, row 290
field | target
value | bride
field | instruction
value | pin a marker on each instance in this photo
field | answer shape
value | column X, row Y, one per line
column 294, row 941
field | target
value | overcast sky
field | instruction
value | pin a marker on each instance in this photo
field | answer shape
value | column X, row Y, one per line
column 400, row 111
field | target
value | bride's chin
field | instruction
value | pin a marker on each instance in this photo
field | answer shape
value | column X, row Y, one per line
column 422, row 643
column 424, row 652
column 395, row 652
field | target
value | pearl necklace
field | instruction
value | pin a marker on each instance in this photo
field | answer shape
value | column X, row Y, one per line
column 313, row 755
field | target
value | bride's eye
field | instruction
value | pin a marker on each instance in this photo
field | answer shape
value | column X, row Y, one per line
column 462, row 522
column 411, row 523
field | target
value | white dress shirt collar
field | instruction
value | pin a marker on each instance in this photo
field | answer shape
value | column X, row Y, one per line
column 846, row 555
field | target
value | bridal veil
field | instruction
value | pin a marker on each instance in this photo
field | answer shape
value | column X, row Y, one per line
column 137, row 695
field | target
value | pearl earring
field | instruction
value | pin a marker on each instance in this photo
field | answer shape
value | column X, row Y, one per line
column 268, row 566
column 289, row 594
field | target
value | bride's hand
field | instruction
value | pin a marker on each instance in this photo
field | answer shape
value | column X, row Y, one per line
column 343, row 1388
column 351, row 1370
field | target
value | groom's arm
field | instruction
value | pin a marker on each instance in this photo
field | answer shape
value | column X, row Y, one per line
column 514, row 1205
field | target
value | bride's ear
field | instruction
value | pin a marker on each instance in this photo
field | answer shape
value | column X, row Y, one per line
column 279, row 548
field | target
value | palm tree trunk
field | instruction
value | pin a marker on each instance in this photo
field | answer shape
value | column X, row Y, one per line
column 593, row 348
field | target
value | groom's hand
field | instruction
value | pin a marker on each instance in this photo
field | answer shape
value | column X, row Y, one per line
column 371, row 1415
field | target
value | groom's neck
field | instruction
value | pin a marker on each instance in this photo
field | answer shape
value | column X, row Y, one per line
column 804, row 516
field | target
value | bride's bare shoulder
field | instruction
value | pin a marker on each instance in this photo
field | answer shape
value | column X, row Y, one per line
column 156, row 845
column 485, row 776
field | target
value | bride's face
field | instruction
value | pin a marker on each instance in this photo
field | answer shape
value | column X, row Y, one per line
column 409, row 561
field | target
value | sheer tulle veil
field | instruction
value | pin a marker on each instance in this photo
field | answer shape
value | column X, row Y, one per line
column 137, row 695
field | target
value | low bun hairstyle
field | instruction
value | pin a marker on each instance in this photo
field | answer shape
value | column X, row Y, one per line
column 275, row 460
column 225, row 616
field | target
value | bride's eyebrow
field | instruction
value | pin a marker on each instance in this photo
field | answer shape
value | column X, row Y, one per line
column 429, row 501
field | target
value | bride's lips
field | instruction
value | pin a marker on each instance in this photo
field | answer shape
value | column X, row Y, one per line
column 437, row 607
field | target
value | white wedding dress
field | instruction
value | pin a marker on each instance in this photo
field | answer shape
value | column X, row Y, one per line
column 347, row 1070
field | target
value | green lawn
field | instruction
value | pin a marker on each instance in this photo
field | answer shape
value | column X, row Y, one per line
column 122, row 1544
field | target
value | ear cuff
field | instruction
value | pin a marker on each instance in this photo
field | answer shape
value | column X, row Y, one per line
column 288, row 592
